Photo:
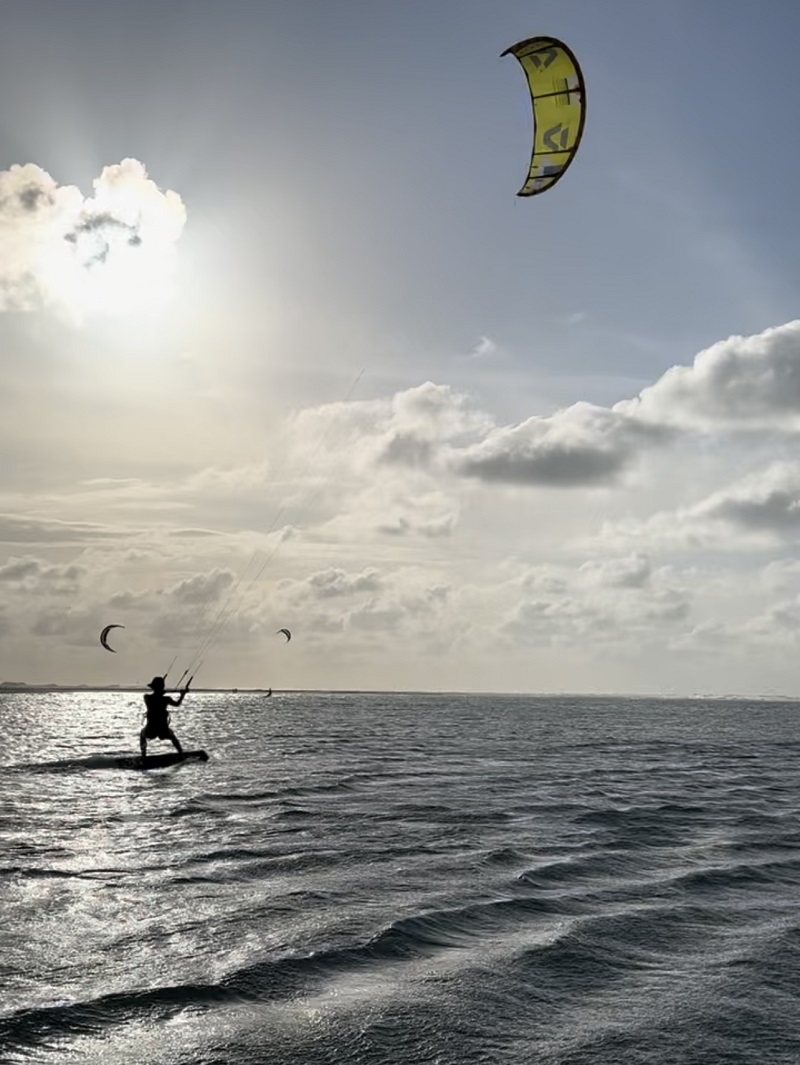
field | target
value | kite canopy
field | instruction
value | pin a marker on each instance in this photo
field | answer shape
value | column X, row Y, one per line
column 286, row 633
column 558, row 95
column 104, row 637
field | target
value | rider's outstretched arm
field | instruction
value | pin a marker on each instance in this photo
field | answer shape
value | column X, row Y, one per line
column 181, row 697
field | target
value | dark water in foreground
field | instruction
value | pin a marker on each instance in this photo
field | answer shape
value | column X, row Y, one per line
column 402, row 879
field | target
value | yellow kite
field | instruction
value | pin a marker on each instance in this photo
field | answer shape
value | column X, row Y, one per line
column 558, row 95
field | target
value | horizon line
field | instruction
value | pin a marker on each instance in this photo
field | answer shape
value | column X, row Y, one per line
column 24, row 686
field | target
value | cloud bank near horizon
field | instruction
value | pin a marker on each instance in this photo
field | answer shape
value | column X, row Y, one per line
column 415, row 533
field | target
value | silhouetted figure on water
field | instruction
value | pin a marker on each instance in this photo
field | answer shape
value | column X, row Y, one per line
column 157, row 725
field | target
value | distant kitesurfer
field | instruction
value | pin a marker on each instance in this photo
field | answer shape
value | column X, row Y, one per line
column 157, row 726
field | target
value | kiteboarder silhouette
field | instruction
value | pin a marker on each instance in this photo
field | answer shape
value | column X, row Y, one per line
column 157, row 724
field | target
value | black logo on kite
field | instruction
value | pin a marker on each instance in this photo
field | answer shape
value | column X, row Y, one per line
column 542, row 60
column 104, row 636
column 554, row 131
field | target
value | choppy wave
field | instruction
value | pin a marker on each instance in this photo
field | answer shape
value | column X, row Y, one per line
column 370, row 879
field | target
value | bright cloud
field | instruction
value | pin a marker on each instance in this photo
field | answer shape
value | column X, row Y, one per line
column 742, row 383
column 411, row 539
column 110, row 252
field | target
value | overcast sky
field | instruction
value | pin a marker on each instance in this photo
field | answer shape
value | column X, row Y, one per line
column 280, row 346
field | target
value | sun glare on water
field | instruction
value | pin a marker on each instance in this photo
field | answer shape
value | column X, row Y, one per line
column 112, row 253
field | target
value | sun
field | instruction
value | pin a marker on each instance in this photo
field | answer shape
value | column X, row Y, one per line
column 112, row 253
column 120, row 254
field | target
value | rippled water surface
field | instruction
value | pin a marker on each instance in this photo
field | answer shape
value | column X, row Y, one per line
column 401, row 879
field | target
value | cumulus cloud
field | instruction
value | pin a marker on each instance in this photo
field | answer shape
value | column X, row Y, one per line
column 406, row 602
column 420, row 422
column 406, row 449
column 111, row 251
column 409, row 428
column 756, row 512
column 599, row 604
column 334, row 582
column 579, row 446
column 634, row 571
column 434, row 429
column 437, row 432
column 376, row 616
column 33, row 573
column 201, row 588
column 768, row 501
column 130, row 600
column 740, row 383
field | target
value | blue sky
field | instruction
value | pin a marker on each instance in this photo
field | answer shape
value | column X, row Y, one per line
column 395, row 134
column 348, row 173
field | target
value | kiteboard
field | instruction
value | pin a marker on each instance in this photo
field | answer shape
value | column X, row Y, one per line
column 161, row 761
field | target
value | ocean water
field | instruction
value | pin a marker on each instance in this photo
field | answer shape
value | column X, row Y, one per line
column 404, row 879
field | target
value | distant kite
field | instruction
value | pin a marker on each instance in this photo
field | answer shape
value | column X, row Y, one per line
column 286, row 633
column 558, row 96
column 104, row 635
